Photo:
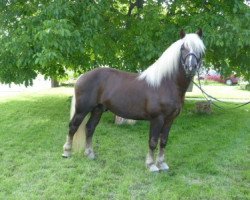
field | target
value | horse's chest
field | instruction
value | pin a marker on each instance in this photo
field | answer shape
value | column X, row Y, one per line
column 171, row 110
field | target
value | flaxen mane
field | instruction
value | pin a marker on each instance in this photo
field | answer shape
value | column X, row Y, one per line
column 168, row 63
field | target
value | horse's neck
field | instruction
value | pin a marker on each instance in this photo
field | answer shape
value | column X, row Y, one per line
column 183, row 82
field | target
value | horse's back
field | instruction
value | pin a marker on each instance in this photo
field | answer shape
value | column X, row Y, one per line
column 103, row 76
column 103, row 81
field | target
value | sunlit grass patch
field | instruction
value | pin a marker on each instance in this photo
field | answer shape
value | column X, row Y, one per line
column 208, row 155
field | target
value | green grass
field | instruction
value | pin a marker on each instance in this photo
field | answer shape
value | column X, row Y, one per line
column 208, row 155
column 221, row 91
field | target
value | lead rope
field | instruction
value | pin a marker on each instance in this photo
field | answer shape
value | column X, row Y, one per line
column 210, row 98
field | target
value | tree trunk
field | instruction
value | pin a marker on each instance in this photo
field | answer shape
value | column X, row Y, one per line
column 54, row 83
column 203, row 107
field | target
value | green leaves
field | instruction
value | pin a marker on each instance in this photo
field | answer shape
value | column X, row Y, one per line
column 53, row 37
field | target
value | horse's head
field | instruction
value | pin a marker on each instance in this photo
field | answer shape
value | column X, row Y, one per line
column 191, row 56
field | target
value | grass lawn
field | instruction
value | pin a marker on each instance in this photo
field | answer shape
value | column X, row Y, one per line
column 208, row 155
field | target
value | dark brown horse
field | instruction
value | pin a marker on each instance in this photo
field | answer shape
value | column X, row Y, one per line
column 157, row 95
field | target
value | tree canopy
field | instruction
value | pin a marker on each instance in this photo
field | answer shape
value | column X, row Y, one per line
column 51, row 37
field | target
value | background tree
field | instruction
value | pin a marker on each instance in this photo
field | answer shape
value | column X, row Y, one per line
column 53, row 37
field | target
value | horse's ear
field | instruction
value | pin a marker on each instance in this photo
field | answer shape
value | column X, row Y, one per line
column 182, row 33
column 199, row 32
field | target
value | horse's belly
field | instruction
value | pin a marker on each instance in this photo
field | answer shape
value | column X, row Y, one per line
column 125, row 107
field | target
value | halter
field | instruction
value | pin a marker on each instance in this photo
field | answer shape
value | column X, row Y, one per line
column 183, row 60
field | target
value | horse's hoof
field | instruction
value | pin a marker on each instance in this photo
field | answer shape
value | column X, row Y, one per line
column 66, row 155
column 90, row 154
column 163, row 166
column 153, row 168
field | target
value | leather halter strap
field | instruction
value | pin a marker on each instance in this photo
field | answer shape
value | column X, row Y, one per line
column 183, row 60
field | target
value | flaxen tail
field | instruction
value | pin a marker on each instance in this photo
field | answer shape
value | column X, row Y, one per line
column 80, row 136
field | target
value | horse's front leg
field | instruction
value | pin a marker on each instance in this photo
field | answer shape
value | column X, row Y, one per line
column 155, row 129
column 160, row 162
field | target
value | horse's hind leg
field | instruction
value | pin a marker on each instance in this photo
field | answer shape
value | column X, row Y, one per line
column 73, row 127
column 90, row 128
